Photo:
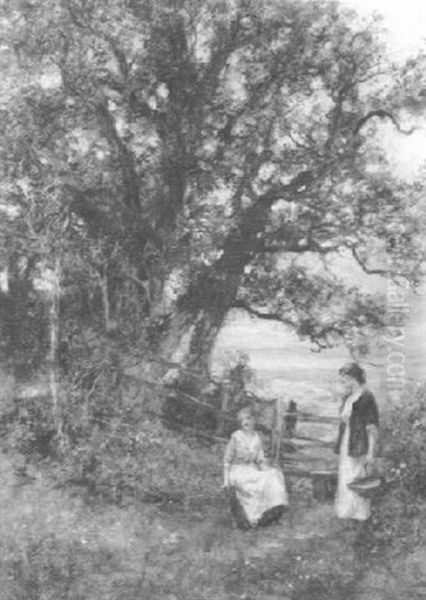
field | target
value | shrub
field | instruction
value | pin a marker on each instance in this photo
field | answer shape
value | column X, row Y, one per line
column 142, row 462
column 396, row 523
column 404, row 437
column 113, row 447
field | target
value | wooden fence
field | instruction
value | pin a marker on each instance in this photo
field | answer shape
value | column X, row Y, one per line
column 286, row 444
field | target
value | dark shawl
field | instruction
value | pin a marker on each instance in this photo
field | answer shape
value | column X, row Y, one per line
column 364, row 412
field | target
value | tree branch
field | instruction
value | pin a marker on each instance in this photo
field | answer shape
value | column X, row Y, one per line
column 297, row 184
column 381, row 114
column 118, row 53
column 125, row 156
column 364, row 266
column 259, row 314
column 296, row 248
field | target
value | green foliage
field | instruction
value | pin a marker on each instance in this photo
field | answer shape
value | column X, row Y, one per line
column 300, row 295
column 405, row 431
column 237, row 377
column 396, row 525
column 28, row 427
column 23, row 329
column 114, row 453
column 112, row 445
column 115, row 446
column 153, row 142
column 215, row 409
column 144, row 462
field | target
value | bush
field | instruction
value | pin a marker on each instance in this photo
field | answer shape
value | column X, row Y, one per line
column 113, row 447
column 113, row 444
column 142, row 462
column 28, row 426
column 397, row 521
column 404, row 438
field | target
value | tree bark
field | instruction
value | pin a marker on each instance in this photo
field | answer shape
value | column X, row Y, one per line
column 203, row 308
column 53, row 346
column 103, row 283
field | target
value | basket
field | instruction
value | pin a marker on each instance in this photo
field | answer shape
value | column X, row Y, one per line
column 369, row 486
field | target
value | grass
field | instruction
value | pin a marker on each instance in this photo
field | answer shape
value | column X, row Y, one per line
column 58, row 545
column 54, row 546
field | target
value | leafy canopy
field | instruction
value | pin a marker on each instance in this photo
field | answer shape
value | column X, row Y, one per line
column 185, row 146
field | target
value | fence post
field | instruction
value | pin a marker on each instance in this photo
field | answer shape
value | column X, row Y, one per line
column 277, row 430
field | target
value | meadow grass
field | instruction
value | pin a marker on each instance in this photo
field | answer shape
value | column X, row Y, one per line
column 56, row 546
column 58, row 543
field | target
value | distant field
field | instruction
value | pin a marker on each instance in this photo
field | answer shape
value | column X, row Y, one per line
column 286, row 367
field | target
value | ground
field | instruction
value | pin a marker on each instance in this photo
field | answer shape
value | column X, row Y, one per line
column 56, row 544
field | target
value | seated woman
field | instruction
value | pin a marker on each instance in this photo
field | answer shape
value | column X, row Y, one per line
column 260, row 491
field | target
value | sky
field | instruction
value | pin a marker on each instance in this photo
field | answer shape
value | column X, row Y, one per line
column 405, row 21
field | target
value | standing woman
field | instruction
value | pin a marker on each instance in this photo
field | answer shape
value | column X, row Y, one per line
column 259, row 489
column 358, row 432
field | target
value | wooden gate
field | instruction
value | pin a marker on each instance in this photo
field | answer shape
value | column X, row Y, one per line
column 287, row 448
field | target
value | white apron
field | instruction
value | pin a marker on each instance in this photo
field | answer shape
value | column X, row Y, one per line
column 349, row 504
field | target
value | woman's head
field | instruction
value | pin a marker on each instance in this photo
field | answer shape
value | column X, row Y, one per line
column 246, row 419
column 352, row 376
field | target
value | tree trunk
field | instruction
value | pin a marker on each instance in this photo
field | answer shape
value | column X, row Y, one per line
column 53, row 347
column 202, row 340
column 103, row 283
column 190, row 338
column 214, row 292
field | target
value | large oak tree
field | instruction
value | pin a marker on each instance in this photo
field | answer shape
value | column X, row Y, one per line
column 202, row 147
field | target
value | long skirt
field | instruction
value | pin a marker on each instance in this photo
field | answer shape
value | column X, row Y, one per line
column 349, row 504
column 258, row 490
